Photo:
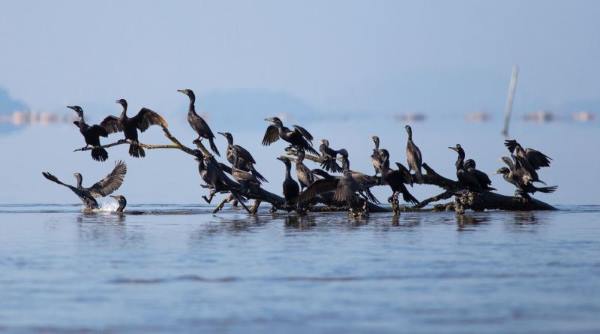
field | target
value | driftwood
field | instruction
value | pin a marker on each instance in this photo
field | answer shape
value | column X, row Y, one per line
column 463, row 199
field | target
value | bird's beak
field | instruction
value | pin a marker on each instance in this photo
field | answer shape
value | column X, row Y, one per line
column 71, row 107
column 268, row 119
column 181, row 91
column 453, row 149
column 115, row 197
column 117, row 101
column 280, row 158
column 221, row 133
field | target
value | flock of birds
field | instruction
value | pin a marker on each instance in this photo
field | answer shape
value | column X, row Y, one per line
column 333, row 184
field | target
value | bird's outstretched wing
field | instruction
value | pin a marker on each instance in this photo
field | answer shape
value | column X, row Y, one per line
column 146, row 117
column 111, row 124
column 304, row 132
column 271, row 135
column 537, row 159
column 318, row 187
column 53, row 178
column 511, row 145
column 111, row 182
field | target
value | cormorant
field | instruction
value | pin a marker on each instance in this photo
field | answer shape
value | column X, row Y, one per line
column 122, row 202
column 303, row 173
column 299, row 138
column 530, row 159
column 245, row 178
column 516, row 175
column 396, row 178
column 245, row 160
column 291, row 190
column 376, row 158
column 142, row 121
column 466, row 179
column 328, row 156
column 91, row 134
column 345, row 186
column 414, row 158
column 198, row 123
column 482, row 178
column 102, row 188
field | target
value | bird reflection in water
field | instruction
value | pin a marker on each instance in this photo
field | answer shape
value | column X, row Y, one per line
column 299, row 222
column 467, row 222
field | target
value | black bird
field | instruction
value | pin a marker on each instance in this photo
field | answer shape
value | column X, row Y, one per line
column 414, row 158
column 245, row 160
column 130, row 126
column 396, row 178
column 303, row 173
column 122, row 202
column 298, row 138
column 518, row 176
column 198, row 123
column 245, row 178
column 345, row 187
column 328, row 157
column 531, row 160
column 466, row 179
column 482, row 178
column 291, row 190
column 102, row 188
column 213, row 174
column 91, row 134
column 376, row 158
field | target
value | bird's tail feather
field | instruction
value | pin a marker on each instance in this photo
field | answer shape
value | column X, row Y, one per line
column 257, row 174
column 99, row 154
column 136, row 151
column 547, row 190
column 213, row 147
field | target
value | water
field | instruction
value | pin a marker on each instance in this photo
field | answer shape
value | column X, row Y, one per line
column 179, row 268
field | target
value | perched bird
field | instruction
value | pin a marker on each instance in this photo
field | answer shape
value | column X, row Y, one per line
column 245, row 178
column 482, row 178
column 328, row 157
column 413, row 156
column 130, row 126
column 303, row 173
column 102, row 188
column 91, row 134
column 245, row 160
column 530, row 159
column 198, row 123
column 518, row 176
column 298, row 138
column 466, row 179
column 345, row 187
column 396, row 178
column 376, row 158
column 291, row 190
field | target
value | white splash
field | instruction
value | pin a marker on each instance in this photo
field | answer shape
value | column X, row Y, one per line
column 108, row 205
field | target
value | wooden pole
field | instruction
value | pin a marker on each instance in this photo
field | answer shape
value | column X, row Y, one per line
column 512, row 88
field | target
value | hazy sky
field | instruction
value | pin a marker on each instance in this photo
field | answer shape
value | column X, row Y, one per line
column 324, row 56
column 380, row 56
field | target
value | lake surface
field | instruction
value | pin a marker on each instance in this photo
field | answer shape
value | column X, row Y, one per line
column 179, row 268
